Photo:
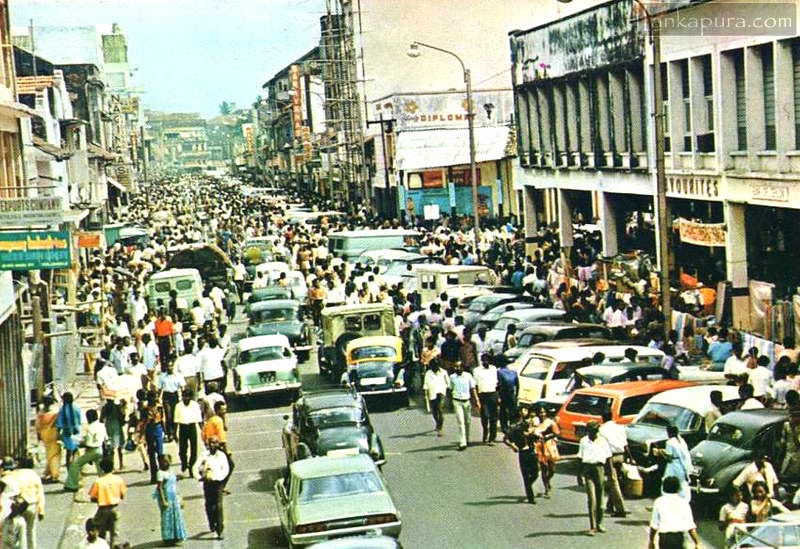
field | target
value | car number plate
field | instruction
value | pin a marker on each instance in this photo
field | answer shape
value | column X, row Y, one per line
column 343, row 452
column 266, row 377
column 373, row 381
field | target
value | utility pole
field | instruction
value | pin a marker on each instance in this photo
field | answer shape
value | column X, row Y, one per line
column 389, row 205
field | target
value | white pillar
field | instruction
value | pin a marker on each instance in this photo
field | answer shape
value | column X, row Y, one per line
column 736, row 262
column 608, row 224
column 564, row 219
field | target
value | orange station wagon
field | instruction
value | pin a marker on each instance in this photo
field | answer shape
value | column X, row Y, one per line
column 624, row 400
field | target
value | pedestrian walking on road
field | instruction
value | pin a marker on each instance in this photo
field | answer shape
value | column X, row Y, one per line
column 435, row 388
column 486, row 381
column 154, row 433
column 679, row 460
column 170, row 384
column 108, row 491
column 546, row 433
column 508, row 393
column 463, row 386
column 523, row 441
column 213, row 471
column 188, row 418
column 671, row 518
column 173, row 527
column 617, row 439
column 92, row 539
column 12, row 533
column 47, row 432
column 594, row 453
column 113, row 415
column 29, row 487
column 68, row 424
column 93, row 440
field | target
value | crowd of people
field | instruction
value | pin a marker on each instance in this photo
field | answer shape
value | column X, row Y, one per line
column 162, row 374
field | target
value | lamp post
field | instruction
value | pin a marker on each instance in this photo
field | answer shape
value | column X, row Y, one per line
column 654, row 38
column 414, row 52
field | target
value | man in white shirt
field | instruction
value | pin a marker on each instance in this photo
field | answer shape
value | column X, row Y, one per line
column 105, row 375
column 211, row 365
column 759, row 376
column 188, row 418
column 617, row 439
column 594, row 452
column 435, row 387
column 150, row 356
column 672, row 518
column 188, row 365
column 213, row 471
column 93, row 438
column 486, row 380
column 735, row 365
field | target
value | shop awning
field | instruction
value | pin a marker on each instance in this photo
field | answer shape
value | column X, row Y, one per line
column 100, row 152
column 53, row 150
column 17, row 110
column 114, row 183
column 439, row 148
column 75, row 216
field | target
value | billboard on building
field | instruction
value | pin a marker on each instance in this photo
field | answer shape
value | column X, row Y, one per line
column 27, row 250
column 447, row 110
column 297, row 98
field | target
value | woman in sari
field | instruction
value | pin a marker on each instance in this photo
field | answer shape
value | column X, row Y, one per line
column 173, row 527
column 48, row 433
column 68, row 423
column 546, row 448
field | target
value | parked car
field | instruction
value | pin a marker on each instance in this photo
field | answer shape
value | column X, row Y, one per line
column 683, row 408
column 555, row 331
column 281, row 316
column 781, row 531
column 623, row 400
column 731, row 444
column 521, row 319
column 603, row 374
column 264, row 364
column 546, row 368
column 327, row 498
column 376, row 366
column 330, row 423
column 344, row 323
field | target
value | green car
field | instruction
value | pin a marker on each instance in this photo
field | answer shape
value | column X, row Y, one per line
column 331, row 497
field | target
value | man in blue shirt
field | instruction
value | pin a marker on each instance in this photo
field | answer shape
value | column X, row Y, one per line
column 464, row 392
column 720, row 350
column 508, row 390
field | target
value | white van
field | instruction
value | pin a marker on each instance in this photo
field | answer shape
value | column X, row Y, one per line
column 432, row 279
column 187, row 282
column 546, row 368
column 349, row 245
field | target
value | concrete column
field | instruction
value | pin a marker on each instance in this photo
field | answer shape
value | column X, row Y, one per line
column 564, row 219
column 560, row 111
column 619, row 110
column 572, row 117
column 635, row 111
column 531, row 221
column 524, row 126
column 677, row 120
column 608, row 224
column 736, row 262
column 544, row 122
column 602, row 111
column 725, row 135
column 784, row 103
column 585, row 106
column 754, row 86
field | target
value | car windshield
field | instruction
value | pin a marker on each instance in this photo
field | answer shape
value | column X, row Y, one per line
column 373, row 351
column 589, row 405
column 274, row 315
column 336, row 486
column 579, row 381
column 262, row 353
column 659, row 414
column 374, row 369
column 536, row 368
column 349, row 415
column 728, row 434
column 504, row 323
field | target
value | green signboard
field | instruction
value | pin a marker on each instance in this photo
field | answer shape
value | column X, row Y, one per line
column 28, row 250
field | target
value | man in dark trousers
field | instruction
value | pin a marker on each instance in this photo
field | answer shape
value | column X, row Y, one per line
column 508, row 391
column 213, row 472
column 522, row 441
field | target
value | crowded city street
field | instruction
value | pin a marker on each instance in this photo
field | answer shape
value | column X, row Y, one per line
column 361, row 274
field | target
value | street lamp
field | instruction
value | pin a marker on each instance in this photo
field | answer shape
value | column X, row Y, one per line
column 654, row 37
column 414, row 52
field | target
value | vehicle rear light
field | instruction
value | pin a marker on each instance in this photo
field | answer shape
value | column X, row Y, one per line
column 381, row 519
column 311, row 528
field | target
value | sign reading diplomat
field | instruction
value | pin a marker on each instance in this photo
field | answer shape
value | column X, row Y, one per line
column 27, row 250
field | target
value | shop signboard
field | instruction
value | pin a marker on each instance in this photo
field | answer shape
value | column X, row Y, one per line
column 451, row 193
column 89, row 239
column 450, row 109
column 28, row 250
column 297, row 105
column 432, row 179
column 701, row 234
column 42, row 210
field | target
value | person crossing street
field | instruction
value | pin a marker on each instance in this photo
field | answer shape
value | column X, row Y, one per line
column 464, row 394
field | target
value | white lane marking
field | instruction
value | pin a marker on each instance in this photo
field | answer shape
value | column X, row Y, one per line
column 252, row 450
column 250, row 432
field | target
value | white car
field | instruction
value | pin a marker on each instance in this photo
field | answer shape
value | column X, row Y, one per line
column 265, row 364
column 521, row 318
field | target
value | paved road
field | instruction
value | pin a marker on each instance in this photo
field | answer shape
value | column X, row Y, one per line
column 448, row 499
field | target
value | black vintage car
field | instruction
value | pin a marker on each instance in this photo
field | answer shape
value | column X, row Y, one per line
column 732, row 443
column 281, row 316
column 330, row 423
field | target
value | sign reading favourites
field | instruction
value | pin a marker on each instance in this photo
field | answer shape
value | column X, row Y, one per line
column 27, row 250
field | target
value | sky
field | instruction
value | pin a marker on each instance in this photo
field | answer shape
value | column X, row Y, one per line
column 190, row 55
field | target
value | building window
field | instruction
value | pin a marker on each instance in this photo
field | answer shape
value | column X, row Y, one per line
column 576, row 99
column 687, row 105
column 741, row 100
column 10, row 170
column 705, row 139
column 667, row 125
column 768, row 70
